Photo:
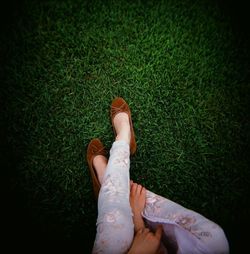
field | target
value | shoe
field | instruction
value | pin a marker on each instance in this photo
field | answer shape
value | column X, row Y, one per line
column 119, row 105
column 95, row 148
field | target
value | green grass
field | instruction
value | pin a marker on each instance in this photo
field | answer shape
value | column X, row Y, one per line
column 185, row 76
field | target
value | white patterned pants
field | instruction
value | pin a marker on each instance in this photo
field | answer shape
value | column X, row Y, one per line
column 185, row 231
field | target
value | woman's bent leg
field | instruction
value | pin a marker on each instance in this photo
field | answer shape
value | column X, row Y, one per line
column 185, row 230
column 115, row 229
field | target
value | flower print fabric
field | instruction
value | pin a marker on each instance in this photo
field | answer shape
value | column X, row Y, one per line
column 185, row 231
column 115, row 228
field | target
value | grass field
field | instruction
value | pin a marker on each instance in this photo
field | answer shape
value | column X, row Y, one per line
column 184, row 72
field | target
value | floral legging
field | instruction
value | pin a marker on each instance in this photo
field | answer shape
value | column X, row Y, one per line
column 184, row 231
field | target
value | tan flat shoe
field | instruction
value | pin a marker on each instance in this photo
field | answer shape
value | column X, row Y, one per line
column 119, row 105
column 95, row 148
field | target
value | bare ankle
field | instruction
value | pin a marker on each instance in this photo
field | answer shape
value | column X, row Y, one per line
column 138, row 222
column 100, row 164
column 125, row 136
column 122, row 127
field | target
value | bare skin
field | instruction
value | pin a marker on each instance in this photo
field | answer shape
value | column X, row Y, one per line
column 146, row 242
column 100, row 163
column 122, row 128
column 137, row 203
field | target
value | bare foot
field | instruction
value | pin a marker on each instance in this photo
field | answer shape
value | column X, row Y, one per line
column 100, row 163
column 137, row 203
column 122, row 127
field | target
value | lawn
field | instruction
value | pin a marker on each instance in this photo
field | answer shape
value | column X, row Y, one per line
column 184, row 71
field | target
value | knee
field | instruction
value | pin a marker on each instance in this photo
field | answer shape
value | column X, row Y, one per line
column 220, row 244
column 217, row 242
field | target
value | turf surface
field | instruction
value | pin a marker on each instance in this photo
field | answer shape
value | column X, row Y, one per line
column 184, row 73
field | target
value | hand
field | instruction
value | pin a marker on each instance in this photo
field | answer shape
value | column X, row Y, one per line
column 137, row 197
column 137, row 202
column 146, row 242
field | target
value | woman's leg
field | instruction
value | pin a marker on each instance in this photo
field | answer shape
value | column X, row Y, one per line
column 115, row 229
column 186, row 230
